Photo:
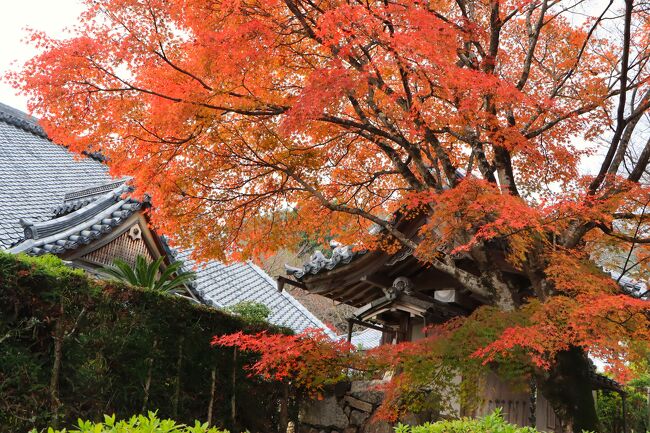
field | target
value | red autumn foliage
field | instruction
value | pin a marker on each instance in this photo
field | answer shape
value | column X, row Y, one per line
column 309, row 360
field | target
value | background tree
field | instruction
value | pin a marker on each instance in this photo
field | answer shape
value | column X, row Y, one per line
column 250, row 122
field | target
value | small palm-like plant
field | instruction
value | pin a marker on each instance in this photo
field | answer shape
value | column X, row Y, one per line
column 171, row 280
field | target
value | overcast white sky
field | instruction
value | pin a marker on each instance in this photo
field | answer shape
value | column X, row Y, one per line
column 52, row 16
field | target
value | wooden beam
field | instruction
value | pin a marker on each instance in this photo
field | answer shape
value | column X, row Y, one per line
column 362, row 293
column 370, row 325
column 371, row 308
column 284, row 280
column 377, row 280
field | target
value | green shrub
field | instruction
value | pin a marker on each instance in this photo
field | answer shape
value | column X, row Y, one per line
column 253, row 312
column 138, row 424
column 493, row 423
column 609, row 407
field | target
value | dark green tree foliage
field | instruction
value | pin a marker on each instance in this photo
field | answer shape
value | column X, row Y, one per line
column 609, row 406
column 114, row 339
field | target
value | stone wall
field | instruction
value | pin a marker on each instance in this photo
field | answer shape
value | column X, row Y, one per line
column 347, row 409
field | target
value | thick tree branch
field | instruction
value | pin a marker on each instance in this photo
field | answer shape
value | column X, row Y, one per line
column 620, row 115
column 631, row 239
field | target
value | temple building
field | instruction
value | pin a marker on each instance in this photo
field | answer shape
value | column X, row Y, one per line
column 55, row 202
column 397, row 297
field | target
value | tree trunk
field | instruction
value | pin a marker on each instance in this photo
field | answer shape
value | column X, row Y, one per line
column 284, row 409
column 147, row 384
column 233, row 398
column 56, row 372
column 647, row 426
column 532, row 416
column 177, row 390
column 213, row 386
column 569, row 390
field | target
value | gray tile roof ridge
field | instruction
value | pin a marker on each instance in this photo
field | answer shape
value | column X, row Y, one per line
column 317, row 263
column 308, row 314
column 35, row 230
column 22, row 120
column 95, row 189
column 79, row 198
column 59, row 242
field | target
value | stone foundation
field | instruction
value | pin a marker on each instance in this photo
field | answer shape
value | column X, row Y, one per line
column 348, row 408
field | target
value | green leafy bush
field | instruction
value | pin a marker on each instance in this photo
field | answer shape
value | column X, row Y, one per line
column 493, row 423
column 250, row 311
column 138, row 424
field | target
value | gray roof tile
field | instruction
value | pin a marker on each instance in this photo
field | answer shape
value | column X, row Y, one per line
column 227, row 285
column 35, row 174
column 366, row 339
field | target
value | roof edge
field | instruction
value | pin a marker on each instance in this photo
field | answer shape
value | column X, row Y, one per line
column 21, row 120
column 293, row 300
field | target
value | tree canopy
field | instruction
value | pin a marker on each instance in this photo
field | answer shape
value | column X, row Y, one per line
column 252, row 122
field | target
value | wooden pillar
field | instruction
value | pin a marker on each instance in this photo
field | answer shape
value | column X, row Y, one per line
column 350, row 325
column 404, row 328
column 386, row 336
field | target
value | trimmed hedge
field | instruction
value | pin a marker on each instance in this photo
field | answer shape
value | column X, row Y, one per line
column 114, row 341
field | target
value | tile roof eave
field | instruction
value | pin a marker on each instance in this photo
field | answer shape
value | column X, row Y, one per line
column 309, row 315
column 341, row 255
column 79, row 227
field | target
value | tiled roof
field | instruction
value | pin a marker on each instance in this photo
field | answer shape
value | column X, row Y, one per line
column 367, row 339
column 341, row 255
column 75, row 200
column 636, row 288
column 227, row 285
column 35, row 174
column 17, row 118
column 65, row 200
column 69, row 231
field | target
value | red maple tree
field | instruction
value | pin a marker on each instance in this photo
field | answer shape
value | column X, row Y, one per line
column 252, row 122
